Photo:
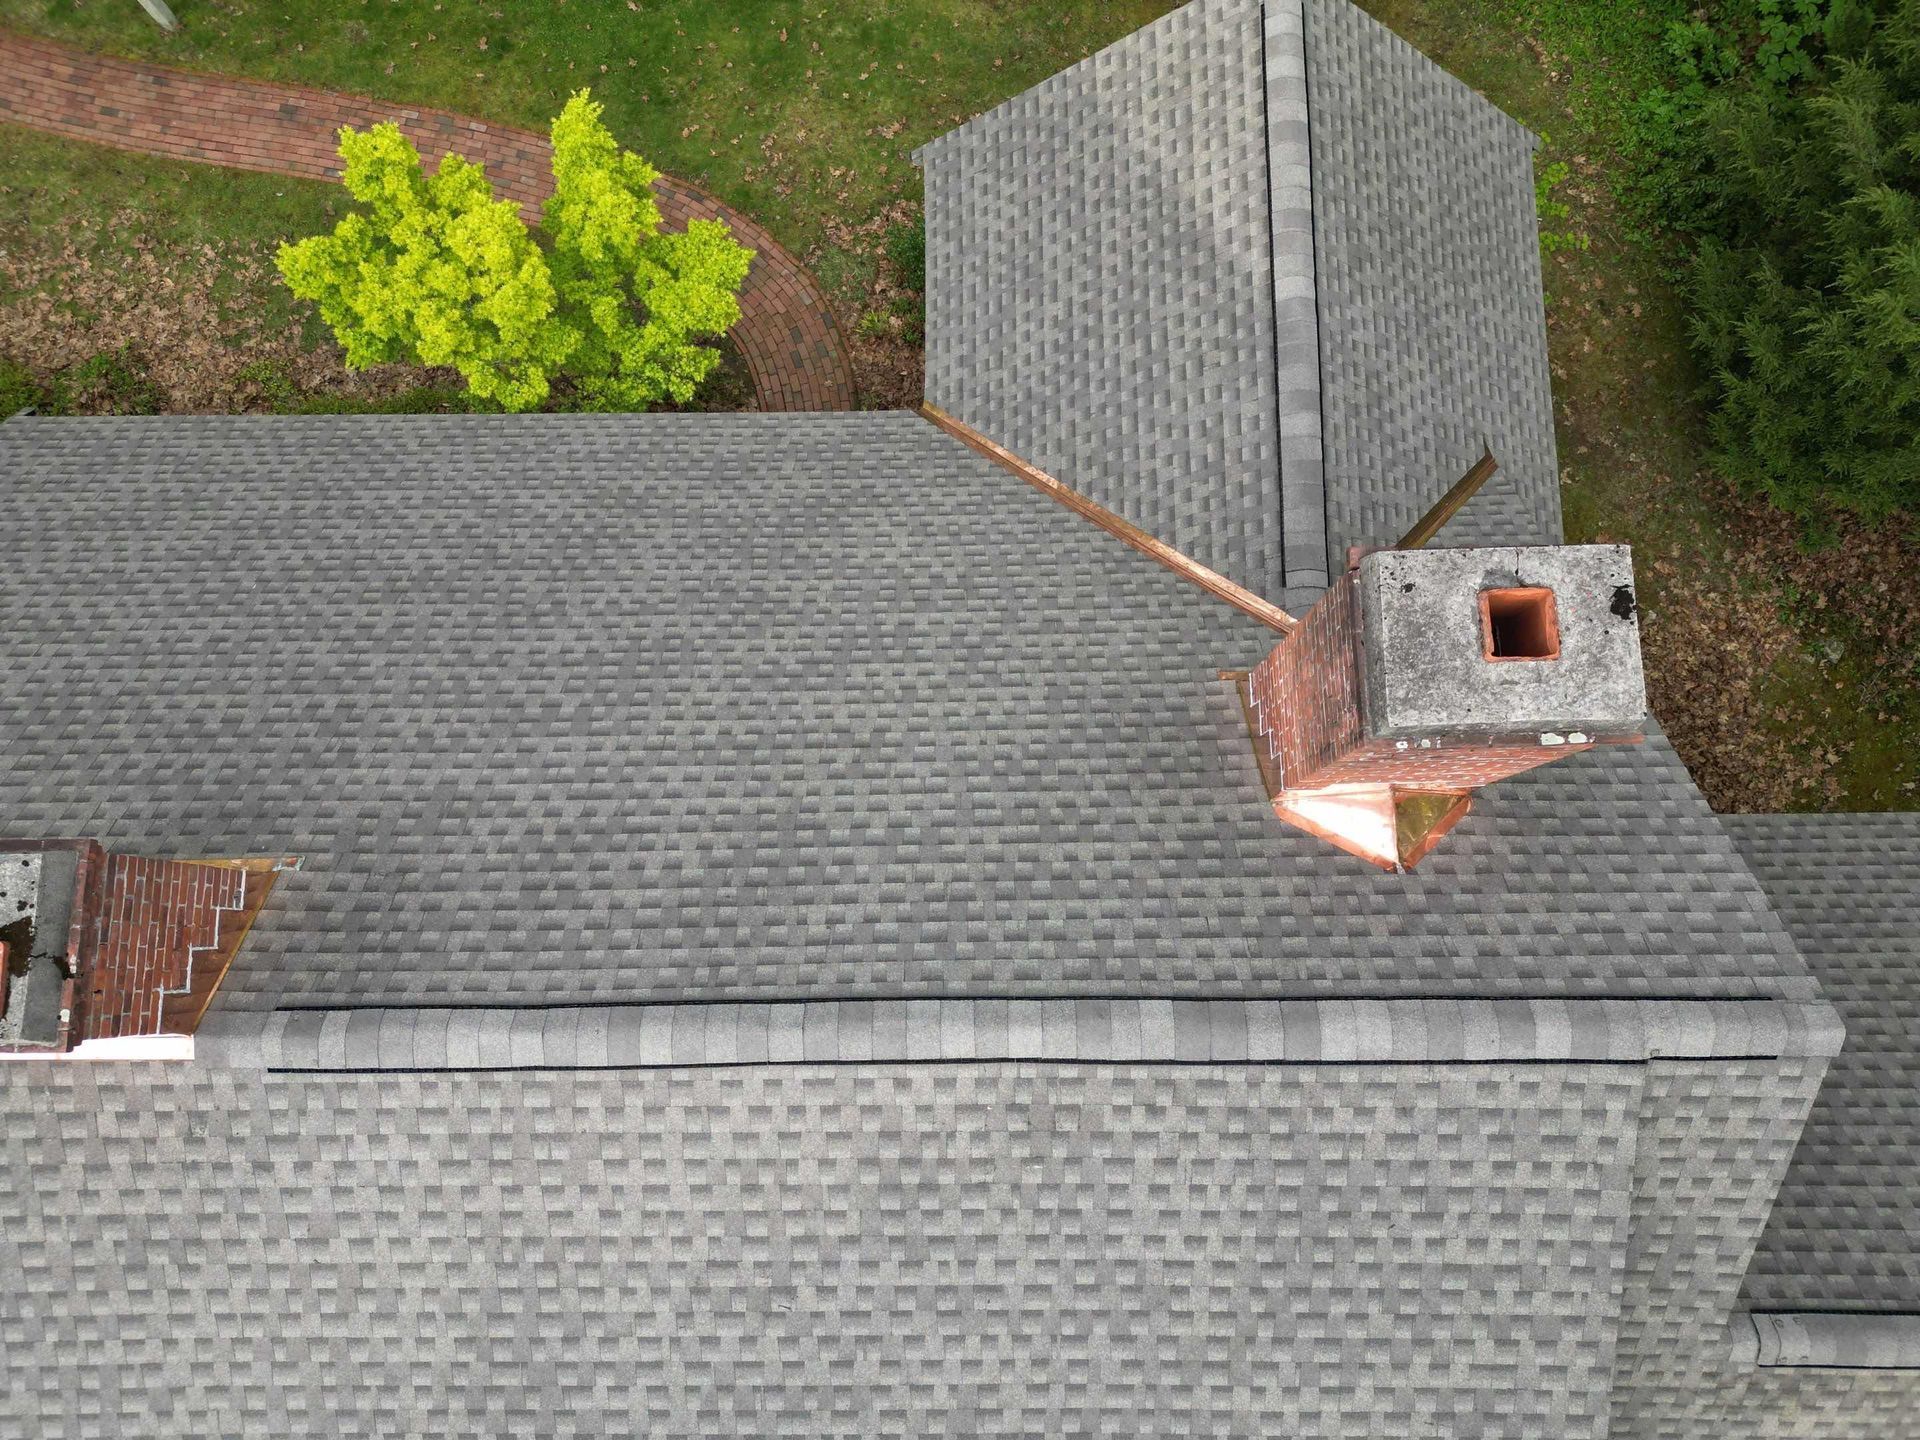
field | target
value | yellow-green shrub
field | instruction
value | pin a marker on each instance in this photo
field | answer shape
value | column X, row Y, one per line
column 436, row 270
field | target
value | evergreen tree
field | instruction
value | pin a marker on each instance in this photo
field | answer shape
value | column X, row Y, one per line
column 1807, row 302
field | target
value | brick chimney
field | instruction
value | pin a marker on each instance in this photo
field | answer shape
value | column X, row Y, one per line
column 113, row 956
column 1422, row 675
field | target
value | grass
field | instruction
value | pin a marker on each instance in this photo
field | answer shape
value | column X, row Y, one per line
column 796, row 113
column 110, row 203
column 50, row 182
column 108, row 210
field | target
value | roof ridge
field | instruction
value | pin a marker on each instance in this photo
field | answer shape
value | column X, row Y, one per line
column 1305, row 565
column 1826, row 1339
column 967, row 1030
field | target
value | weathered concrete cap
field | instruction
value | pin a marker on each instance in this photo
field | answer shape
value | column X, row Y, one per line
column 1427, row 667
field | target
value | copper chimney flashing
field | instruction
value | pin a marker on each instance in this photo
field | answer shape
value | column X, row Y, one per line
column 1422, row 675
column 116, row 956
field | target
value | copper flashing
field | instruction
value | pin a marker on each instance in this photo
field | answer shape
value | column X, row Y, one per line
column 1424, row 818
column 1392, row 826
column 1449, row 504
column 1214, row 583
column 1270, row 776
column 141, row 948
column 1358, row 819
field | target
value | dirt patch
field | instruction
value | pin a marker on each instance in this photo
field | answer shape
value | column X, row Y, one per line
column 1857, row 580
column 1709, row 652
column 1771, row 665
column 1852, row 661
column 886, row 328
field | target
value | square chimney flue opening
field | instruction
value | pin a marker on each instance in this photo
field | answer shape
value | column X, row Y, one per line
column 1519, row 624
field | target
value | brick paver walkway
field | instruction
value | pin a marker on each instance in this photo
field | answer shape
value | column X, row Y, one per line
column 787, row 333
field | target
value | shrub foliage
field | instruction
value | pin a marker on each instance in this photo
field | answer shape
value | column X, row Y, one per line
column 1806, row 287
column 109, row 382
column 437, row 271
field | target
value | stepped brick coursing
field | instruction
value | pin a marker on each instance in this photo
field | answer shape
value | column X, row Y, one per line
column 158, row 933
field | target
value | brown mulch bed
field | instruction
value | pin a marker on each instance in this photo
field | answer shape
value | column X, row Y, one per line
column 196, row 318
column 1720, row 635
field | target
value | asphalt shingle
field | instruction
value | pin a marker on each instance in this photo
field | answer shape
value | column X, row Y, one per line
column 1261, row 278
column 1036, row 1250
column 1100, row 293
column 589, row 709
column 1432, row 328
column 1845, row 1231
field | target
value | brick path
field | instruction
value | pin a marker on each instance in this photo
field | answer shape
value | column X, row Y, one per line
column 787, row 333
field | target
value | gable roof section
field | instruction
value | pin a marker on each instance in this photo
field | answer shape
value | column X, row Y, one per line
column 1432, row 319
column 1100, row 290
column 1101, row 296
column 883, row 1251
column 1261, row 279
column 582, row 709
column 1845, row 1231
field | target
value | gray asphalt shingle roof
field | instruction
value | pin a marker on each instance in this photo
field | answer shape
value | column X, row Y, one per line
column 585, row 709
column 1433, row 327
column 886, row 1251
column 1100, row 286
column 1845, row 1230
column 1262, row 278
column 693, row 745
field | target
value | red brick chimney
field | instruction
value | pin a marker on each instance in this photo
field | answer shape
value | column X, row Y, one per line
column 116, row 956
column 1423, row 674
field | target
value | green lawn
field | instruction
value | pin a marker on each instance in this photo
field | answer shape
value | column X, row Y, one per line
column 50, row 182
column 800, row 114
